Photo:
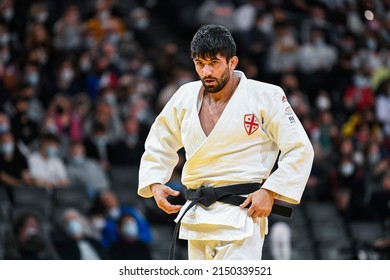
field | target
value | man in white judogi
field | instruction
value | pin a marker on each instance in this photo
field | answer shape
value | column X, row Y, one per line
column 232, row 129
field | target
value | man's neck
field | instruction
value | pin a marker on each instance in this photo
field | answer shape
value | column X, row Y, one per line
column 224, row 95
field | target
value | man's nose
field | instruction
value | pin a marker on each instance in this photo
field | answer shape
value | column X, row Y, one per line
column 207, row 70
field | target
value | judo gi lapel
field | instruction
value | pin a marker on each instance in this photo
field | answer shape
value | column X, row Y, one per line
column 218, row 131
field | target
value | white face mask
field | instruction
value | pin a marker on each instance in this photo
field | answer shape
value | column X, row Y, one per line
column 8, row 14
column 347, row 169
column 323, row 103
column 114, row 213
column 31, row 231
column 42, row 17
column 99, row 223
column 67, row 75
column 130, row 230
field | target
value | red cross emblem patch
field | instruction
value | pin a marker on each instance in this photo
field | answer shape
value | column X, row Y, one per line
column 250, row 123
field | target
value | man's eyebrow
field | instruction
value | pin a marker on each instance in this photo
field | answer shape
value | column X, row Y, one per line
column 207, row 58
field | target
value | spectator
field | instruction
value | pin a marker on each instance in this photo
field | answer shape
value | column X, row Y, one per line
column 129, row 246
column 71, row 241
column 28, row 241
column 317, row 20
column 106, row 116
column 47, row 169
column 380, row 201
column 96, row 145
column 348, row 186
column 217, row 12
column 382, row 108
column 5, row 125
column 104, row 23
column 84, row 172
column 128, row 150
column 68, row 30
column 24, row 128
column 66, row 80
column 283, row 52
column 108, row 202
column 13, row 164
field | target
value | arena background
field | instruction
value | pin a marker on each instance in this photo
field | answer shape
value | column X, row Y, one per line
column 92, row 75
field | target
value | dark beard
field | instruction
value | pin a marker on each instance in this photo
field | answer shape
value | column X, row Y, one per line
column 221, row 83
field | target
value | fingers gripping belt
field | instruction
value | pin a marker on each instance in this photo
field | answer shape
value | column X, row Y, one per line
column 229, row 194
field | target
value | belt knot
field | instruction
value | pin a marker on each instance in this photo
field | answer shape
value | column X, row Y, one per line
column 207, row 195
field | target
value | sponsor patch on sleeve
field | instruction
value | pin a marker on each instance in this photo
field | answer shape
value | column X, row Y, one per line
column 289, row 114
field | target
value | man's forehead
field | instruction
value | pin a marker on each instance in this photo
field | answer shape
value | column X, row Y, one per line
column 206, row 57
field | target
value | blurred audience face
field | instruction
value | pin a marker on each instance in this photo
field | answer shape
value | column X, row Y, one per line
column 4, row 123
column 39, row 12
column 49, row 147
column 111, row 204
column 31, row 75
column 128, row 228
column 131, row 130
column 49, row 126
column 29, row 226
column 73, row 224
column 7, row 144
column 77, row 153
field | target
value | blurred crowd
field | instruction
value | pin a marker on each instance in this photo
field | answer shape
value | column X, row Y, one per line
column 81, row 83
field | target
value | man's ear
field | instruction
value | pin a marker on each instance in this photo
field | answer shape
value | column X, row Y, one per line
column 233, row 62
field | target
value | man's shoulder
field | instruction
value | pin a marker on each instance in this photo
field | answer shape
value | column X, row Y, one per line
column 264, row 89
column 190, row 87
column 185, row 94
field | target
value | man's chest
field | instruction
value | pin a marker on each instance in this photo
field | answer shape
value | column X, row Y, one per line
column 209, row 115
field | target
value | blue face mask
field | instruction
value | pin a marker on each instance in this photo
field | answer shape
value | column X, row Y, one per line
column 4, row 128
column 131, row 139
column 100, row 141
column 51, row 129
column 52, row 151
column 74, row 228
column 78, row 159
column 32, row 78
column 7, row 148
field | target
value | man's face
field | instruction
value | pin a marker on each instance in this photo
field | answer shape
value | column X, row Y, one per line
column 213, row 72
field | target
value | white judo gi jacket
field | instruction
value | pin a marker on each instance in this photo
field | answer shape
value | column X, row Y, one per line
column 255, row 125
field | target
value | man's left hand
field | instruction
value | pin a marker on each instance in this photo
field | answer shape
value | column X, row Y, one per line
column 261, row 203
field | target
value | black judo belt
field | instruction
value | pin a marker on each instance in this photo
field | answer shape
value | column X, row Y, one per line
column 229, row 194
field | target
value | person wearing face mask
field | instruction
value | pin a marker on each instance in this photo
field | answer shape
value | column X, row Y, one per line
column 71, row 240
column 128, row 150
column 347, row 182
column 85, row 172
column 66, row 80
column 104, row 20
column 46, row 167
column 13, row 164
column 359, row 96
column 108, row 202
column 28, row 241
column 129, row 246
column 96, row 144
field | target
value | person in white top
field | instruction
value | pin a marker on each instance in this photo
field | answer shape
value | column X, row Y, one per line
column 232, row 129
column 45, row 166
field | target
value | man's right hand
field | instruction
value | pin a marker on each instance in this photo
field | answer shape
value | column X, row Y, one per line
column 160, row 193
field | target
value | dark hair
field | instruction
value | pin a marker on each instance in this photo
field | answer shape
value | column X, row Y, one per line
column 21, row 220
column 50, row 137
column 211, row 40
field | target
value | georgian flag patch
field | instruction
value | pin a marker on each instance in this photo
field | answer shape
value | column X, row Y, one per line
column 251, row 124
